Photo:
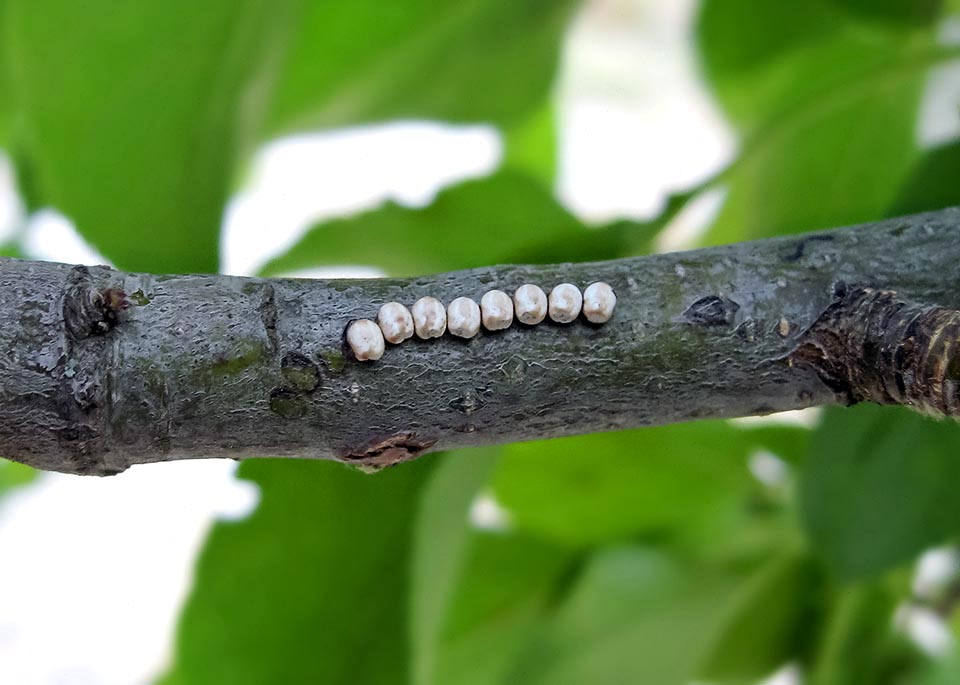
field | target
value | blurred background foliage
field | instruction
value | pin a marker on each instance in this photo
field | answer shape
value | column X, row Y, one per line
column 715, row 551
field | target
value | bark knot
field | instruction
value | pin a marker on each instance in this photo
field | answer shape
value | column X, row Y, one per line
column 88, row 311
column 870, row 345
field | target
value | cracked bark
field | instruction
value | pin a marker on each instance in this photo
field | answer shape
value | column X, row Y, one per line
column 103, row 369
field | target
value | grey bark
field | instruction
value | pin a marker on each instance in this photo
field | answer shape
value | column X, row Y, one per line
column 102, row 369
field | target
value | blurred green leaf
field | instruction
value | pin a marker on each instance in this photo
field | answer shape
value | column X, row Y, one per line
column 509, row 584
column 859, row 646
column 771, row 622
column 312, row 588
column 790, row 443
column 635, row 616
column 609, row 486
column 441, row 541
column 4, row 83
column 13, row 474
column 461, row 60
column 531, row 145
column 879, row 487
column 508, row 217
column 943, row 671
column 132, row 117
column 839, row 166
column 767, row 60
column 914, row 11
column 826, row 100
column 475, row 595
column 932, row 183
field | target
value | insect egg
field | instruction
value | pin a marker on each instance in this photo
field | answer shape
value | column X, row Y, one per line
column 463, row 317
column 496, row 309
column 365, row 340
column 396, row 322
column 530, row 304
column 429, row 317
column 565, row 302
column 598, row 302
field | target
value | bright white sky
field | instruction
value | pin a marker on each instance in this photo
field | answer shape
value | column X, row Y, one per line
column 93, row 571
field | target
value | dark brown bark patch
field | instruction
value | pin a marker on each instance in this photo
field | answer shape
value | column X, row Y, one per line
column 870, row 345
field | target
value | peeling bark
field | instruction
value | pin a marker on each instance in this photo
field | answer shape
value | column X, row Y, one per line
column 103, row 369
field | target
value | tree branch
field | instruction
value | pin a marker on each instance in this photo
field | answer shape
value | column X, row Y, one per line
column 103, row 369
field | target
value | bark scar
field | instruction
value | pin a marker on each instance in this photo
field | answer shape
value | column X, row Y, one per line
column 268, row 314
column 801, row 247
column 712, row 310
column 398, row 448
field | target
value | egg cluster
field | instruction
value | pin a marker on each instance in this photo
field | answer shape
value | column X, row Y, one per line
column 463, row 317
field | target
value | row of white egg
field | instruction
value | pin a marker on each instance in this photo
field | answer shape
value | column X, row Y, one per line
column 463, row 317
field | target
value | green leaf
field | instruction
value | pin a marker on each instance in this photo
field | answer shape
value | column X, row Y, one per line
column 895, row 11
column 13, row 475
column 441, row 542
column 531, row 145
column 312, row 588
column 10, row 250
column 879, row 487
column 766, row 60
column 826, row 100
column 837, row 167
column 932, row 183
column 603, row 487
column 790, row 443
column 508, row 217
column 771, row 620
column 134, row 119
column 475, row 595
column 509, row 583
column 635, row 616
column 4, row 83
column 131, row 117
column 944, row 671
column 461, row 60
column 858, row 646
